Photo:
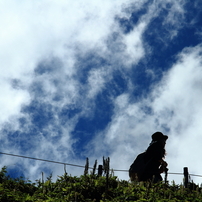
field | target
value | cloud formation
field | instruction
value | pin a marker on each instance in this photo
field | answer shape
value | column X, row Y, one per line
column 96, row 78
column 173, row 106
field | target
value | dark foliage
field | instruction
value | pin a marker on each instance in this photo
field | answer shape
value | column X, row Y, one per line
column 91, row 187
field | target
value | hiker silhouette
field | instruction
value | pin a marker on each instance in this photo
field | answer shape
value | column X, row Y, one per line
column 149, row 165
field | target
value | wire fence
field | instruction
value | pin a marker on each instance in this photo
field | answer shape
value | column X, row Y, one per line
column 70, row 164
column 38, row 159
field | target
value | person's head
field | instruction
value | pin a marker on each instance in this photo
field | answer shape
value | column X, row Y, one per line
column 159, row 137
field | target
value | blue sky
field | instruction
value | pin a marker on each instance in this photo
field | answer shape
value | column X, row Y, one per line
column 98, row 79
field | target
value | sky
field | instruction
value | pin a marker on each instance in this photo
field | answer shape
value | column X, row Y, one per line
column 98, row 78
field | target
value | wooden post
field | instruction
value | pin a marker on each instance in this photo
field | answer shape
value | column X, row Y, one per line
column 42, row 177
column 186, row 177
column 107, row 172
column 65, row 169
column 86, row 167
column 100, row 169
column 94, row 167
column 166, row 175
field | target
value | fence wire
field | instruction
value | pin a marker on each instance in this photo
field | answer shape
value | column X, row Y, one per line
column 70, row 164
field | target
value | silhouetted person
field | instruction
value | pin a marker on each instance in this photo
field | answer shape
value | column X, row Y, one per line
column 151, row 163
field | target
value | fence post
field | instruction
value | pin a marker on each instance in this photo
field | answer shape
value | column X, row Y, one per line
column 100, row 169
column 166, row 175
column 106, row 170
column 65, row 169
column 86, row 167
column 42, row 177
column 186, row 177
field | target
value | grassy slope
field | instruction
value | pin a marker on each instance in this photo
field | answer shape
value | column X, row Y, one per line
column 91, row 188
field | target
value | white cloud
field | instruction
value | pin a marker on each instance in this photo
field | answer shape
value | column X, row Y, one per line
column 34, row 33
column 10, row 100
column 31, row 32
column 182, row 96
column 134, row 46
column 97, row 79
column 175, row 105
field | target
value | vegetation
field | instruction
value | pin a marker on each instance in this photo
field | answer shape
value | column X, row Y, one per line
column 91, row 187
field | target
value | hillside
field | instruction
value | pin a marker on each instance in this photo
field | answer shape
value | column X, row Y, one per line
column 91, row 187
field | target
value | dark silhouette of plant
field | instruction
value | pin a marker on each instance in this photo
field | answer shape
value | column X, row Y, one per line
column 92, row 187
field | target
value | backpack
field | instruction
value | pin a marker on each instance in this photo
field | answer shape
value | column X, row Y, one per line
column 138, row 167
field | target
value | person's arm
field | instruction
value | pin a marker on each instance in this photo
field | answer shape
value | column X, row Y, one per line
column 163, row 166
